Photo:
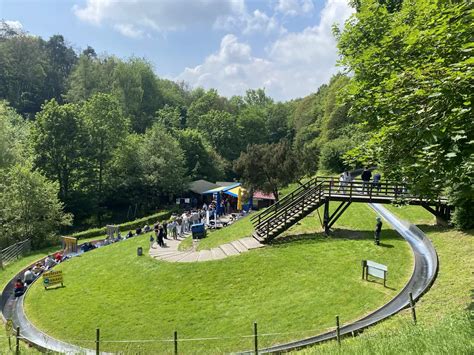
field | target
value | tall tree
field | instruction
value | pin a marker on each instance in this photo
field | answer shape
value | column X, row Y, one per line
column 268, row 167
column 412, row 89
column 107, row 128
column 59, row 141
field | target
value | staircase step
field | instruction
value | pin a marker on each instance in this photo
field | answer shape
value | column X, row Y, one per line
column 239, row 246
column 192, row 257
column 205, row 255
column 251, row 243
column 257, row 237
column 217, row 253
column 229, row 250
column 177, row 257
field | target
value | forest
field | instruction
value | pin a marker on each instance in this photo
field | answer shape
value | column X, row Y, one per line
column 84, row 136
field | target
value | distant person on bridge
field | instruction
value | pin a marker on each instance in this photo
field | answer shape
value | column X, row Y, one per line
column 366, row 176
column 378, row 229
column 376, row 183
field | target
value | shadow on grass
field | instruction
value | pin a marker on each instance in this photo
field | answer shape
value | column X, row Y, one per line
column 338, row 234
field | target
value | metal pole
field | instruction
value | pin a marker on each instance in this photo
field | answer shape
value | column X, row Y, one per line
column 97, row 341
column 338, row 331
column 175, row 342
column 412, row 306
column 17, row 350
column 255, row 337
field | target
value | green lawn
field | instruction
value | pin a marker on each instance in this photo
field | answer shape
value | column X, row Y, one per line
column 444, row 325
column 296, row 286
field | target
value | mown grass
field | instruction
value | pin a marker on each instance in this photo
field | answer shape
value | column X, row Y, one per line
column 444, row 323
column 295, row 287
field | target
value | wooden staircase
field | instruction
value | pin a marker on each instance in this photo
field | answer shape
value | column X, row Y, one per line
column 288, row 211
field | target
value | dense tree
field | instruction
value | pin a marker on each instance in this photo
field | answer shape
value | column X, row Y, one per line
column 201, row 160
column 107, row 128
column 14, row 137
column 59, row 141
column 412, row 88
column 203, row 104
column 163, row 162
column 268, row 167
column 29, row 205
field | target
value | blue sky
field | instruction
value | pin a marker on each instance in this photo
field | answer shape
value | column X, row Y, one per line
column 285, row 46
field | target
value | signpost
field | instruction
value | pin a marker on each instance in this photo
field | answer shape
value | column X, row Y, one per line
column 51, row 278
column 374, row 269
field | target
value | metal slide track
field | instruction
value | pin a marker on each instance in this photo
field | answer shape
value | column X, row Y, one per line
column 424, row 274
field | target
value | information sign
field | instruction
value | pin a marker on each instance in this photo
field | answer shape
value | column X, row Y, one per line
column 51, row 278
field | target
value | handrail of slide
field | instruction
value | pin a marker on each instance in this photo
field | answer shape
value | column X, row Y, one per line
column 424, row 274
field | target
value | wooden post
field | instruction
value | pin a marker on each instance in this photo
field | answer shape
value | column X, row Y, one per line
column 97, row 341
column 364, row 266
column 255, row 337
column 384, row 278
column 17, row 349
column 1, row 259
column 175, row 342
column 338, row 331
column 412, row 306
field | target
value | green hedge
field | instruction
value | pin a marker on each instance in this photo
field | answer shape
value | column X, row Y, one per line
column 100, row 232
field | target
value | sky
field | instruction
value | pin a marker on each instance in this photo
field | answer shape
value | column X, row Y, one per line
column 284, row 46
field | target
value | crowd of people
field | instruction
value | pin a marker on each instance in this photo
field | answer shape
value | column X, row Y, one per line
column 345, row 179
column 35, row 271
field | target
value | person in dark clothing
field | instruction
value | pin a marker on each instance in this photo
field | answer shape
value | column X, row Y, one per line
column 378, row 228
column 376, row 183
column 366, row 176
column 19, row 289
column 165, row 230
column 159, row 237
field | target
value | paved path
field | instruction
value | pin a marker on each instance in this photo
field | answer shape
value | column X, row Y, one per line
column 171, row 253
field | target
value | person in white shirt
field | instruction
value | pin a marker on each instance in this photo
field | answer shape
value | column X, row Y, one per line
column 28, row 276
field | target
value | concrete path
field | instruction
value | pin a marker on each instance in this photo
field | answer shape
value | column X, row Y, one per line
column 171, row 253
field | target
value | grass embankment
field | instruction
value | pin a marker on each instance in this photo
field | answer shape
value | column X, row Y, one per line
column 294, row 287
column 444, row 324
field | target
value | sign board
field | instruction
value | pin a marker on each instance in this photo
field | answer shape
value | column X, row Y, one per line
column 178, row 201
column 187, row 200
column 374, row 269
column 51, row 278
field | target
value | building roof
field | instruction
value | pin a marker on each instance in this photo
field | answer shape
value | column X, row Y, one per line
column 200, row 186
column 259, row 195
column 225, row 183
column 222, row 188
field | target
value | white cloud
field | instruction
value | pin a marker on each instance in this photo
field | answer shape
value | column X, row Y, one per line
column 295, row 64
column 15, row 25
column 129, row 30
column 249, row 23
column 294, row 7
column 134, row 17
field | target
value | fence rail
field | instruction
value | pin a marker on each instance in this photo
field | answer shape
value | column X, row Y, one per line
column 14, row 252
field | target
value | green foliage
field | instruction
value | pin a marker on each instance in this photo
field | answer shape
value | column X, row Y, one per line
column 29, row 205
column 14, row 137
column 163, row 163
column 201, row 160
column 331, row 158
column 267, row 167
column 412, row 88
column 59, row 141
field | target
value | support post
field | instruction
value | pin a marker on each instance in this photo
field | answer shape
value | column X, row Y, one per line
column 326, row 216
column 364, row 266
column 338, row 331
column 17, row 348
column 412, row 306
column 1, row 260
column 175, row 342
column 97, row 341
column 255, row 337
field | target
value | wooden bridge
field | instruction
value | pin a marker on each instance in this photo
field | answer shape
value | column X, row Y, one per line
column 320, row 191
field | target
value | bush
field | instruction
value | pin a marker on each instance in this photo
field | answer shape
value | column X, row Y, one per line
column 97, row 232
column 331, row 158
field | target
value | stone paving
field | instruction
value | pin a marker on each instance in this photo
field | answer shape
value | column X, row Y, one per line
column 171, row 253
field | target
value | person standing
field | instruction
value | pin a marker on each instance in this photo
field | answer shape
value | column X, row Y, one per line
column 378, row 229
column 366, row 176
column 159, row 238
column 152, row 241
column 376, row 183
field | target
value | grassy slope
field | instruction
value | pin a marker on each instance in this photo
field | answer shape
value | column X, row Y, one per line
column 289, row 287
column 443, row 326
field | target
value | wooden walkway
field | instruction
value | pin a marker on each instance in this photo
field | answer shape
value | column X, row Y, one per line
column 171, row 253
